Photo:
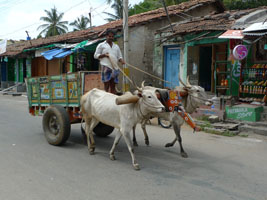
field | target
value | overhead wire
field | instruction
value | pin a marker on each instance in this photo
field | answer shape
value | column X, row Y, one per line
column 10, row 5
column 94, row 9
column 23, row 28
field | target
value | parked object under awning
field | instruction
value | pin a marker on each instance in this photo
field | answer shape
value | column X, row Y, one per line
column 232, row 34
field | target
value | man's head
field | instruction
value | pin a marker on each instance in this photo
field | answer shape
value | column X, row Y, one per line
column 110, row 36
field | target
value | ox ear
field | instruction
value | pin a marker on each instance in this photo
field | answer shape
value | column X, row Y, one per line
column 139, row 94
column 184, row 93
column 158, row 95
column 182, row 90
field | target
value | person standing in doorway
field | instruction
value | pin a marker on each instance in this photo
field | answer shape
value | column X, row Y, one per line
column 105, row 52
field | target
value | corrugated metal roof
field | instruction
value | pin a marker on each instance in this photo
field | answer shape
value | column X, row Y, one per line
column 258, row 15
column 261, row 33
column 261, row 26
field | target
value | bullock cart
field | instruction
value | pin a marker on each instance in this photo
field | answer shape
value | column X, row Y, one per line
column 57, row 99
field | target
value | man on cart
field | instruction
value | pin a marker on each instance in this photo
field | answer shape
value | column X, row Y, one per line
column 107, row 52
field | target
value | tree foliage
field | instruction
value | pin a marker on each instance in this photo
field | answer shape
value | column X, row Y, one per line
column 148, row 5
column 117, row 5
column 80, row 23
column 243, row 4
column 53, row 24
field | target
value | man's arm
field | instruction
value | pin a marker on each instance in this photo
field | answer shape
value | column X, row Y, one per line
column 98, row 52
column 119, row 55
column 121, row 61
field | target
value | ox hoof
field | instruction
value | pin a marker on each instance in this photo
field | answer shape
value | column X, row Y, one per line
column 147, row 142
column 136, row 166
column 184, row 155
column 168, row 145
column 92, row 151
column 112, row 157
column 135, row 144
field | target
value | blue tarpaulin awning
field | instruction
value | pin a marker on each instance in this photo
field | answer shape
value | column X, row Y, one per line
column 68, row 49
column 63, row 54
column 50, row 54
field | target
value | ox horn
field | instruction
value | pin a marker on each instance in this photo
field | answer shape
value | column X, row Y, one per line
column 181, row 81
column 187, row 82
column 138, row 88
column 126, row 99
column 143, row 85
column 117, row 90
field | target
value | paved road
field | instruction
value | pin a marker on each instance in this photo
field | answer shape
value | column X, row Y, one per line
column 217, row 168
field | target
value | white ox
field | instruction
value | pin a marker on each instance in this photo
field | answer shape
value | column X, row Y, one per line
column 100, row 106
column 195, row 97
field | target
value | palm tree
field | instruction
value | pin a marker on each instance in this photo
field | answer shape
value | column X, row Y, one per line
column 53, row 25
column 118, row 7
column 80, row 23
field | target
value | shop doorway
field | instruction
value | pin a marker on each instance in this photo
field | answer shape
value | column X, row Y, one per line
column 205, row 61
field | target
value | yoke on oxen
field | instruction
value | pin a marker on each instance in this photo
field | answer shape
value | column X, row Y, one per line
column 172, row 100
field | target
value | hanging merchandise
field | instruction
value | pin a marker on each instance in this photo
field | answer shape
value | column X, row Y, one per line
column 240, row 52
column 254, row 83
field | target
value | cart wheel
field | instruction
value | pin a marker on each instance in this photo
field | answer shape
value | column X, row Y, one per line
column 164, row 123
column 103, row 130
column 56, row 125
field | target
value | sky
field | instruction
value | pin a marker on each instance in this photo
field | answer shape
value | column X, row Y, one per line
column 18, row 16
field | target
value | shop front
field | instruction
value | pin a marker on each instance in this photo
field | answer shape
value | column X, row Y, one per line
column 64, row 58
column 252, row 92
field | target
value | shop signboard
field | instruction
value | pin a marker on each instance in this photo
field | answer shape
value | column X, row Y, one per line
column 232, row 34
column 236, row 66
column 244, row 112
column 240, row 52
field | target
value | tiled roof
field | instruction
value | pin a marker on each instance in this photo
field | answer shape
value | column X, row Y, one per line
column 95, row 32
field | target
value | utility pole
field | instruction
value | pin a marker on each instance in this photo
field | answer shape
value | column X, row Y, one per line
column 125, row 45
column 90, row 17
column 166, row 10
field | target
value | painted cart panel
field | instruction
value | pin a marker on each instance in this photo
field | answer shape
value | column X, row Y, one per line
column 65, row 90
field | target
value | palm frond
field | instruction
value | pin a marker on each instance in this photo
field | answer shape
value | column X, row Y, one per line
column 54, row 24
